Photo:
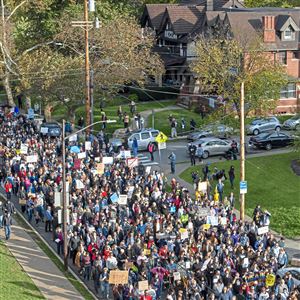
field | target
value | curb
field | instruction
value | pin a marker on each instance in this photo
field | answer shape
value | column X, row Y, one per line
column 53, row 251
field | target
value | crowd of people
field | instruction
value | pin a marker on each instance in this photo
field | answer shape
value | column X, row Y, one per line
column 182, row 244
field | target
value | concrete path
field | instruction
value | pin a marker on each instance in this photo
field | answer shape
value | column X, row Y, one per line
column 44, row 273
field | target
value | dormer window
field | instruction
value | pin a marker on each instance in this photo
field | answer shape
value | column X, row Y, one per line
column 289, row 34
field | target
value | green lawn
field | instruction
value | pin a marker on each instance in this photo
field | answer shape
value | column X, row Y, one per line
column 14, row 282
column 272, row 184
column 162, row 120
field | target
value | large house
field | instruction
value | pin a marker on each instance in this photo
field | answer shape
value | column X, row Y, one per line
column 177, row 26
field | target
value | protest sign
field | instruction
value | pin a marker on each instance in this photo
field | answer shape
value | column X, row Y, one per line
column 97, row 159
column 202, row 186
column 184, row 234
column 263, row 230
column 132, row 162
column 223, row 221
column 143, row 285
column 206, row 226
column 270, row 279
column 77, row 164
column 118, row 277
column 176, row 276
column 212, row 220
column 123, row 199
column 24, row 149
column 44, row 130
column 81, row 155
column 59, row 216
column 108, row 160
column 88, row 146
column 79, row 184
column 147, row 252
column 32, row 159
column 57, row 199
column 203, row 212
column 130, row 191
column 124, row 154
column 100, row 168
column 148, row 169
column 205, row 264
column 114, row 198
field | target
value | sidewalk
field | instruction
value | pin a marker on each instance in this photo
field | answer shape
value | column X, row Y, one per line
column 44, row 273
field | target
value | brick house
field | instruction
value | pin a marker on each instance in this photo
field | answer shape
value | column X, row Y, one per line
column 177, row 27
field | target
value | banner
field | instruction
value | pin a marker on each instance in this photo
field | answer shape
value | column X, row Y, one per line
column 118, row 277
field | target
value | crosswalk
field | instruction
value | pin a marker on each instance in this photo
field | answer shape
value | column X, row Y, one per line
column 146, row 161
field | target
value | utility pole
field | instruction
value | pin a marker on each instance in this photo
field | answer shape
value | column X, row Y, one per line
column 87, row 66
column 64, row 197
column 242, row 150
column 92, row 94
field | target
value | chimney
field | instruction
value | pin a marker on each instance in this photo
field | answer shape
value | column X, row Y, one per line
column 209, row 5
column 269, row 29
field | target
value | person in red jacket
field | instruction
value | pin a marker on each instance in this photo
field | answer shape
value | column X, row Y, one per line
column 146, row 296
column 8, row 189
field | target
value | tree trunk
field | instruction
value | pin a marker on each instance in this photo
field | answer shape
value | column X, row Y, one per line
column 47, row 112
column 10, row 99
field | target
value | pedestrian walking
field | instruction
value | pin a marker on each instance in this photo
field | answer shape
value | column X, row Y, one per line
column 48, row 219
column 7, row 222
column 199, row 153
column 135, row 147
column 172, row 158
column 192, row 152
column 231, row 176
column 1, row 214
column 126, row 120
column 183, row 123
column 173, row 128
column 151, row 149
column 193, row 124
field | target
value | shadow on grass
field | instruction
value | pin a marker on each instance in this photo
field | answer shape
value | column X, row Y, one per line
column 28, row 286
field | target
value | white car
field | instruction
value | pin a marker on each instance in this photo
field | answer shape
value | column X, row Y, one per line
column 264, row 124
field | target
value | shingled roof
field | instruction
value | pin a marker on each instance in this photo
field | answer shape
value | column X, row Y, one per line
column 184, row 18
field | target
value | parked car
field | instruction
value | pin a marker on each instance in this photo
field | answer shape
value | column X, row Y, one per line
column 51, row 129
column 292, row 123
column 218, row 130
column 271, row 140
column 144, row 137
column 263, row 124
column 294, row 271
column 211, row 146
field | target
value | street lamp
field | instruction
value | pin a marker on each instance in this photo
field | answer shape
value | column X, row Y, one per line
column 64, row 192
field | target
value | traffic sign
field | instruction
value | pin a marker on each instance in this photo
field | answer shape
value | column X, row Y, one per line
column 243, row 187
column 162, row 146
column 161, row 138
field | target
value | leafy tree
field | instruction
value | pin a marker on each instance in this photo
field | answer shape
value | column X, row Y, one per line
column 272, row 3
column 223, row 64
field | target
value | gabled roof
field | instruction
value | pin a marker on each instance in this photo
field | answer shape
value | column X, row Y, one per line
column 183, row 18
column 284, row 21
column 155, row 12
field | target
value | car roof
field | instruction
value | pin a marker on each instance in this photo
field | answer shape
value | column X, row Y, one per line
column 209, row 139
column 143, row 130
column 51, row 124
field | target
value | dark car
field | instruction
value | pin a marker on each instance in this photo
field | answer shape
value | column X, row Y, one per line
column 51, row 129
column 271, row 140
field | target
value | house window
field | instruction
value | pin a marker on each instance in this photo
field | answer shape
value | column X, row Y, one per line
column 289, row 34
column 282, row 57
column 288, row 91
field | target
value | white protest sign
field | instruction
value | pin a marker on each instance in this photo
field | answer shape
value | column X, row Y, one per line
column 88, row 146
column 73, row 138
column 130, row 191
column 44, row 130
column 263, row 230
column 176, row 276
column 213, row 221
column 59, row 216
column 32, row 159
column 123, row 199
column 202, row 186
column 97, row 159
column 223, row 221
column 162, row 146
column 24, row 149
column 124, row 154
column 148, row 169
column 57, row 199
column 108, row 160
column 81, row 155
column 79, row 184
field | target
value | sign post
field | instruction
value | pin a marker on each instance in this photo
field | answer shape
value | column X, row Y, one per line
column 161, row 141
column 243, row 187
